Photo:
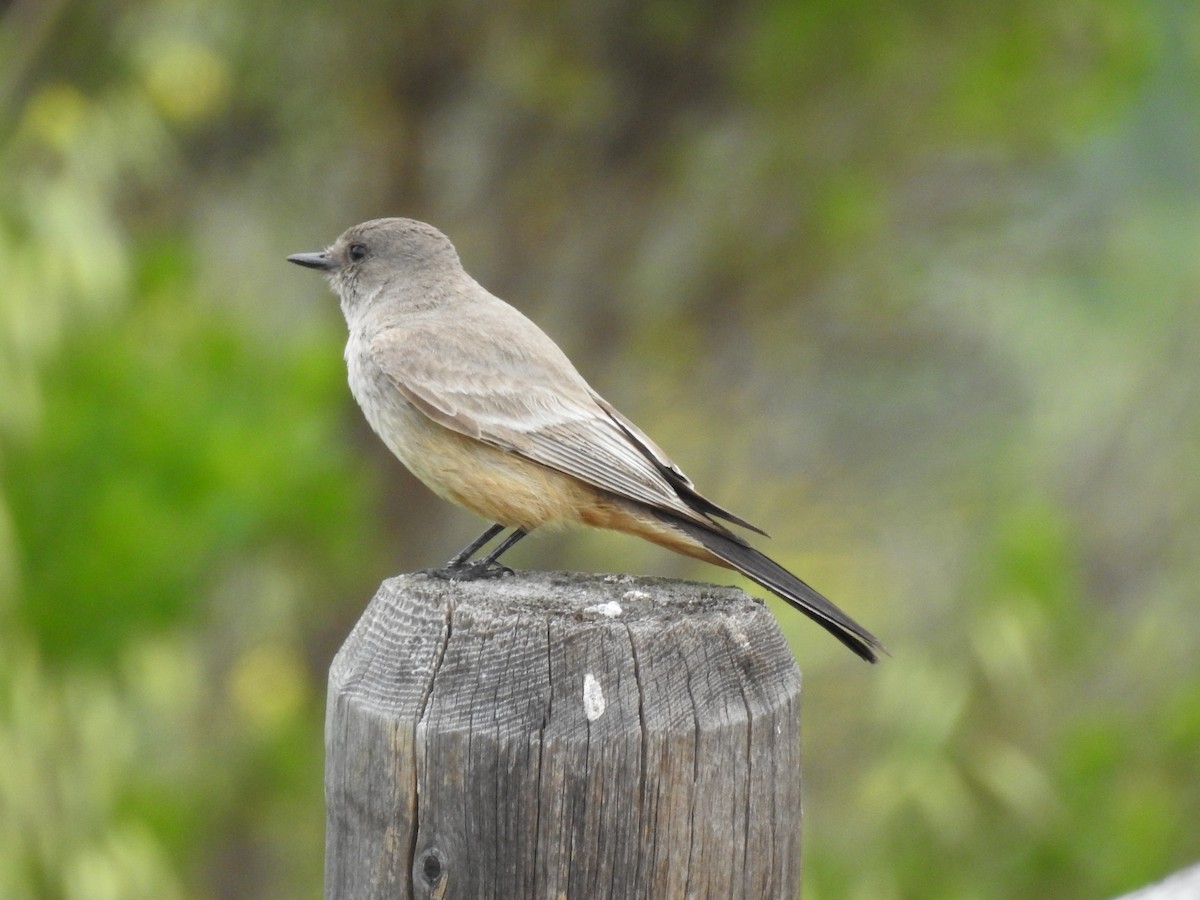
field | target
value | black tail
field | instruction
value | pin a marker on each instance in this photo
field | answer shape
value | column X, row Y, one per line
column 778, row 580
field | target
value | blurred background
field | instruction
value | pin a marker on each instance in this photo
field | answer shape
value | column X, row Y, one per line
column 913, row 286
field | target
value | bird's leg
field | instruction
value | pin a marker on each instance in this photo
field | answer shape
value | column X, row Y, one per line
column 502, row 548
column 460, row 569
column 488, row 567
column 459, row 559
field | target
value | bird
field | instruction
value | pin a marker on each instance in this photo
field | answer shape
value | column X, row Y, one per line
column 485, row 409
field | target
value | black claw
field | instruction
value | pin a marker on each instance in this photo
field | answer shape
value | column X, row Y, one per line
column 460, row 569
column 479, row 571
column 475, row 571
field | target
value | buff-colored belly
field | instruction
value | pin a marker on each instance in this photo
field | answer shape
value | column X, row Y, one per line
column 498, row 485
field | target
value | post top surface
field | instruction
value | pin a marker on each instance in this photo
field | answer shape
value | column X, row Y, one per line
column 624, row 598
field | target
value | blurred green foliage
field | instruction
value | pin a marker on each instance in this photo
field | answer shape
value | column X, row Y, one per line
column 914, row 286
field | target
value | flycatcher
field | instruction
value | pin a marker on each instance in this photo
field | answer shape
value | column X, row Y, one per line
column 488, row 412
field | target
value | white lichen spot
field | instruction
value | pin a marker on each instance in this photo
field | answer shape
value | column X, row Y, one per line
column 612, row 609
column 740, row 636
column 593, row 698
column 634, row 596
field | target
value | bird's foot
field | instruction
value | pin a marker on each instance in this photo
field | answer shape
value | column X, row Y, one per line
column 472, row 571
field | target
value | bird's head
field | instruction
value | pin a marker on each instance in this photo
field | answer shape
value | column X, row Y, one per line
column 396, row 258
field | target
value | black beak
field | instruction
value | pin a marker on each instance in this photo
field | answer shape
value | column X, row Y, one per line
column 312, row 260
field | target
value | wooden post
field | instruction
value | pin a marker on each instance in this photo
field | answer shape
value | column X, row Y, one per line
column 550, row 735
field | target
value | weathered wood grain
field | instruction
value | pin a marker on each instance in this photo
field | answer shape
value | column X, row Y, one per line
column 562, row 736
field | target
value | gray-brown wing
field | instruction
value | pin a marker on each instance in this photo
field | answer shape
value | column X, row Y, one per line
column 532, row 404
column 682, row 484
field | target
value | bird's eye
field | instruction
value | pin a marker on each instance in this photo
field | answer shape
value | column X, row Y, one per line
column 358, row 252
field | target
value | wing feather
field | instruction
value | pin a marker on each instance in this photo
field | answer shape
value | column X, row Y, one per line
column 535, row 404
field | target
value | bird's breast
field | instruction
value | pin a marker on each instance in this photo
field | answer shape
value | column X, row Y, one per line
column 489, row 480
